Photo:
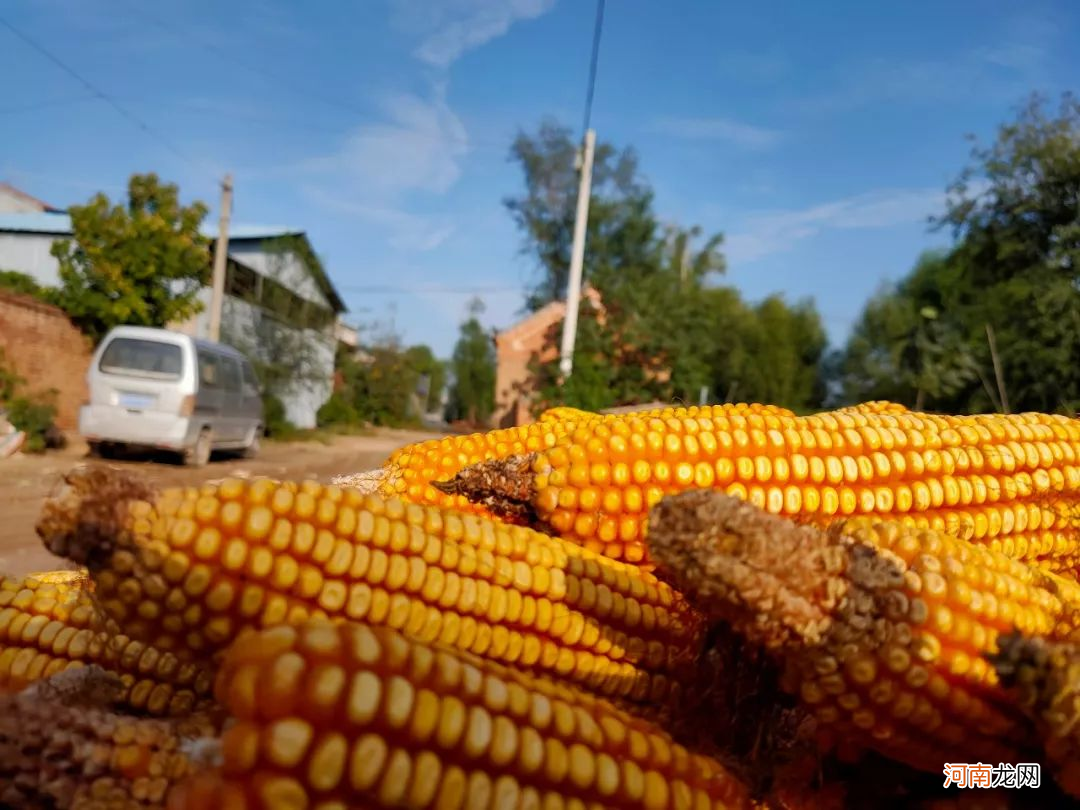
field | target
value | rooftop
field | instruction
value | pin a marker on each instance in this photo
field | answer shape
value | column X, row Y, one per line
column 58, row 224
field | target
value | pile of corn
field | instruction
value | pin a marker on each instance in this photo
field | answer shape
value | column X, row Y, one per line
column 718, row 607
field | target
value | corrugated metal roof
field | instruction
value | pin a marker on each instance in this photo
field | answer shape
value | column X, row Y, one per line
column 37, row 222
column 43, row 222
column 60, row 225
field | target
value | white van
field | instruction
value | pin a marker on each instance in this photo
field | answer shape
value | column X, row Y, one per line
column 154, row 388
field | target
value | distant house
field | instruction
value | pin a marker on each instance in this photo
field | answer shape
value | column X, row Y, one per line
column 279, row 300
column 515, row 348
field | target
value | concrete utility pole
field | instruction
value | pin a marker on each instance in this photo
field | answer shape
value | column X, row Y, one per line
column 577, row 258
column 221, row 252
column 577, row 252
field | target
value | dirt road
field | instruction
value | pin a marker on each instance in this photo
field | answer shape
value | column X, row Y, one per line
column 26, row 481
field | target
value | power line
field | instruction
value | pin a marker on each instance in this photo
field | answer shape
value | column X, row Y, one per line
column 593, row 63
column 280, row 80
column 96, row 91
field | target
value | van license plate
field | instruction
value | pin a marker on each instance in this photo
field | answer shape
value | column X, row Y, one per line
column 136, row 402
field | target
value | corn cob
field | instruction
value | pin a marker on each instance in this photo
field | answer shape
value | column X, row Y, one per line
column 880, row 630
column 48, row 627
column 189, row 568
column 1045, row 678
column 348, row 715
column 59, row 748
column 564, row 413
column 874, row 406
column 409, row 472
column 597, row 485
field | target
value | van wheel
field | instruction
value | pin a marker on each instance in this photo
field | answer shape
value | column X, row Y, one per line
column 199, row 454
column 251, row 450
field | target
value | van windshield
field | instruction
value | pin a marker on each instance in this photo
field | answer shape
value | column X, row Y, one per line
column 143, row 358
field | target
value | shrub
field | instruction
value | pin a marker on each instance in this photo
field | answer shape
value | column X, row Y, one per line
column 277, row 425
column 337, row 411
column 36, row 418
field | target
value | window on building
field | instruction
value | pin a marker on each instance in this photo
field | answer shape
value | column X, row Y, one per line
column 241, row 282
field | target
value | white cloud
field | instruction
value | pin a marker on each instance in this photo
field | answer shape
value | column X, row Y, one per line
column 417, row 147
column 770, row 232
column 720, row 129
column 450, row 28
column 404, row 231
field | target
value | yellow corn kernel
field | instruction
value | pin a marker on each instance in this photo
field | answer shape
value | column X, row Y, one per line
column 50, row 623
column 376, row 719
column 59, row 748
column 997, row 477
column 502, row 592
column 881, row 630
column 1044, row 676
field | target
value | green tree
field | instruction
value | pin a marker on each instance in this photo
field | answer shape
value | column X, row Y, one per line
column 426, row 365
column 472, row 397
column 663, row 330
column 1015, row 213
column 906, row 346
column 782, row 349
column 1014, row 269
column 621, row 230
column 142, row 263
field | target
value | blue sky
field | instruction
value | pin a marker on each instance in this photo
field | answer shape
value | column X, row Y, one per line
column 817, row 137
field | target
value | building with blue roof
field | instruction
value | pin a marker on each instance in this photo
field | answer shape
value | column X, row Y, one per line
column 279, row 307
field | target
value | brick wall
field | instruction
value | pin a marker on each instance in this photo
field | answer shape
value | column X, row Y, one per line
column 47, row 351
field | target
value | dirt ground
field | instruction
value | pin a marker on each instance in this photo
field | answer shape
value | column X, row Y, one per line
column 26, row 481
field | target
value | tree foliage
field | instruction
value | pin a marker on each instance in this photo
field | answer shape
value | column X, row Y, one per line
column 1014, row 270
column 663, row 329
column 142, row 263
column 621, row 228
column 472, row 397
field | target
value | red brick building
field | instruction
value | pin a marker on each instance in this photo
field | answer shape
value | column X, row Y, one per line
column 515, row 347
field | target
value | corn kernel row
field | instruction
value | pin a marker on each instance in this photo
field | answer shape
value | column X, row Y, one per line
column 191, row 568
column 347, row 715
column 47, row 627
column 596, row 484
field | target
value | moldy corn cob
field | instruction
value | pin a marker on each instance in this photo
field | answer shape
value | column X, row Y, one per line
column 409, row 472
column 998, row 476
column 346, row 715
column 881, row 630
column 50, row 623
column 59, row 748
column 1045, row 678
column 190, row 568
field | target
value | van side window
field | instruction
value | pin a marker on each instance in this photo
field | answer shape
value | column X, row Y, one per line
column 230, row 374
column 251, row 382
column 209, row 370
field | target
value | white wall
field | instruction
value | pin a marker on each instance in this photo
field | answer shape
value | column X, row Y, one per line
column 286, row 269
column 305, row 396
column 29, row 253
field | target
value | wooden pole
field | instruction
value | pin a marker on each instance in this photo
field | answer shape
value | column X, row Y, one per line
column 221, row 252
column 997, row 369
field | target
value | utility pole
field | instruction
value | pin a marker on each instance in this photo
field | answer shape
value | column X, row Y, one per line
column 221, row 252
column 577, row 258
column 992, row 341
column 577, row 252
